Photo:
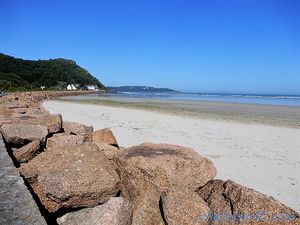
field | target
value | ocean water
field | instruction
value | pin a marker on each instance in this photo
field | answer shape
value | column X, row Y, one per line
column 288, row 100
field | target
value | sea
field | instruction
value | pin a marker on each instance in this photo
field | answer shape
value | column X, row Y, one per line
column 283, row 100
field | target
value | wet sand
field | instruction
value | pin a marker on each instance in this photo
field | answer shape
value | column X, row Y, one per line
column 288, row 116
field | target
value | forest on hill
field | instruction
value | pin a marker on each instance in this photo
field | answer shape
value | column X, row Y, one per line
column 21, row 75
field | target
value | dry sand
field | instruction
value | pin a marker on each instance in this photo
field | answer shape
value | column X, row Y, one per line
column 263, row 157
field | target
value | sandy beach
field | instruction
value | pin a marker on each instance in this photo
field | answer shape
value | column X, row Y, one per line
column 276, row 115
column 259, row 156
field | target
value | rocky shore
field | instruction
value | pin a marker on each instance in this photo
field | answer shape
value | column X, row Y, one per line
column 79, row 175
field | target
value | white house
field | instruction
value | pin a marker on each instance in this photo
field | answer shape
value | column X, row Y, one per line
column 71, row 87
column 92, row 87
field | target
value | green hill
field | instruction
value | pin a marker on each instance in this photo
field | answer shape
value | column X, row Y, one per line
column 19, row 74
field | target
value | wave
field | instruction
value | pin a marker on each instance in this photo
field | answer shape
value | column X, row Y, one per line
column 251, row 96
column 186, row 94
column 292, row 100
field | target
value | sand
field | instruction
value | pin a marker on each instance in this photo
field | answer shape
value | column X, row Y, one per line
column 260, row 156
column 276, row 115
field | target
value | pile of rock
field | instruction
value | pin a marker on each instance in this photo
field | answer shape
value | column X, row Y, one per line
column 86, row 176
column 21, row 100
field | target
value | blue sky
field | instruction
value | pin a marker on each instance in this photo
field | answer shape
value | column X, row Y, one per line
column 235, row 46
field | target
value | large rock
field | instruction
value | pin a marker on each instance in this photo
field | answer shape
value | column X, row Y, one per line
column 34, row 112
column 21, row 134
column 5, row 115
column 72, row 177
column 212, row 193
column 16, row 115
column 162, row 166
column 15, row 104
column 64, row 140
column 27, row 152
column 52, row 122
column 183, row 206
column 76, row 128
column 117, row 211
column 146, row 209
column 108, row 150
column 20, row 110
column 105, row 135
column 5, row 120
column 231, row 203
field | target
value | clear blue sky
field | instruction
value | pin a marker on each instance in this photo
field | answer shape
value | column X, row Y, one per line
column 241, row 46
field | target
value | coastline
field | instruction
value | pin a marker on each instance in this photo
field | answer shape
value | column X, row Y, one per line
column 275, row 115
column 261, row 156
column 76, row 155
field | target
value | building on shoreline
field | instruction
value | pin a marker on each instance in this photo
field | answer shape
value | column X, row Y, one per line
column 71, row 87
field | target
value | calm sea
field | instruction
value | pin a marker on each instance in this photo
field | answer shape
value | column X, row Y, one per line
column 291, row 100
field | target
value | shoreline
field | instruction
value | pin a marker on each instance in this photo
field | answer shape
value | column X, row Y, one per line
column 256, row 155
column 252, row 157
column 282, row 116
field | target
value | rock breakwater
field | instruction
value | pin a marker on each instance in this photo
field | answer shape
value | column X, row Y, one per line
column 82, row 176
